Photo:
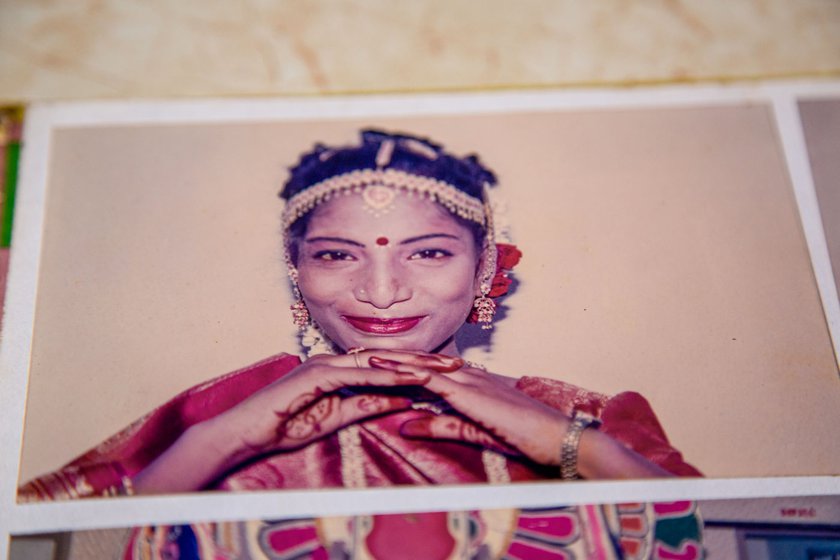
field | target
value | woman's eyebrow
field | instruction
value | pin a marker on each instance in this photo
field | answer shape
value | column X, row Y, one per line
column 334, row 240
column 429, row 236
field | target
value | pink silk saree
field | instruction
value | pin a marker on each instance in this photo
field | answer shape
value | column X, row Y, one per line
column 372, row 453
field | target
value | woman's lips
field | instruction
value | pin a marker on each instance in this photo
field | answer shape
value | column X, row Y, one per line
column 374, row 325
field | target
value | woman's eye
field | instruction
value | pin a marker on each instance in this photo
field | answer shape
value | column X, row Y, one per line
column 332, row 256
column 430, row 254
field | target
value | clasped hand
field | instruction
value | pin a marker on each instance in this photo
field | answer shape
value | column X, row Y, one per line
column 307, row 404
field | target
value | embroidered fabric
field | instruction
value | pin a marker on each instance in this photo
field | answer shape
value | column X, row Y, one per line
column 634, row 531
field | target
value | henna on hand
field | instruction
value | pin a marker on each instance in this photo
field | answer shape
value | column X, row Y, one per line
column 410, row 362
column 301, row 401
column 372, row 404
column 331, row 413
column 308, row 424
column 284, row 416
column 452, row 428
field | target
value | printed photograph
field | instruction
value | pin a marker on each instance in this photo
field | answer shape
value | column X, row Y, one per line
column 779, row 528
column 600, row 294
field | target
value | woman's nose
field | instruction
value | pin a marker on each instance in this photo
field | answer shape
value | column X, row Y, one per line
column 382, row 286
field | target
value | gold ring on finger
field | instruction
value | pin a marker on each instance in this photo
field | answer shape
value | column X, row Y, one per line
column 355, row 353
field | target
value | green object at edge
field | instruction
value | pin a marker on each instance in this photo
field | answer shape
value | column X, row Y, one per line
column 12, row 155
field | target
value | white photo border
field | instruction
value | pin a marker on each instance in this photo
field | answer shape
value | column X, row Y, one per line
column 43, row 119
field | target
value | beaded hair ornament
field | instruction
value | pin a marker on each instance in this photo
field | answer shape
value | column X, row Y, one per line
column 383, row 166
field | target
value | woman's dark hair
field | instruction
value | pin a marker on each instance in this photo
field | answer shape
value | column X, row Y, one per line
column 411, row 154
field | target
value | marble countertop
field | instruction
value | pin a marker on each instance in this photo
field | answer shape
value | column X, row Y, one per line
column 123, row 48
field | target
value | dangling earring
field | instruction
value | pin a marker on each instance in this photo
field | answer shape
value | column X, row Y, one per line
column 485, row 308
column 300, row 314
column 312, row 340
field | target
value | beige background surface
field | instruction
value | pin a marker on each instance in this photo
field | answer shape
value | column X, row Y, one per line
column 50, row 49
column 662, row 251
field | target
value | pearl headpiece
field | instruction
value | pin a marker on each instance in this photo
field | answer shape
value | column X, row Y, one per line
column 371, row 182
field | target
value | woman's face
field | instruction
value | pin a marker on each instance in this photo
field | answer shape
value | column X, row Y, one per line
column 404, row 280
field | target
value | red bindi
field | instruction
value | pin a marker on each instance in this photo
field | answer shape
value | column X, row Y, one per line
column 382, row 241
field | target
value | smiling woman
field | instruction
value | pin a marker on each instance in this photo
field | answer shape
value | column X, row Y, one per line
column 411, row 289
column 390, row 249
